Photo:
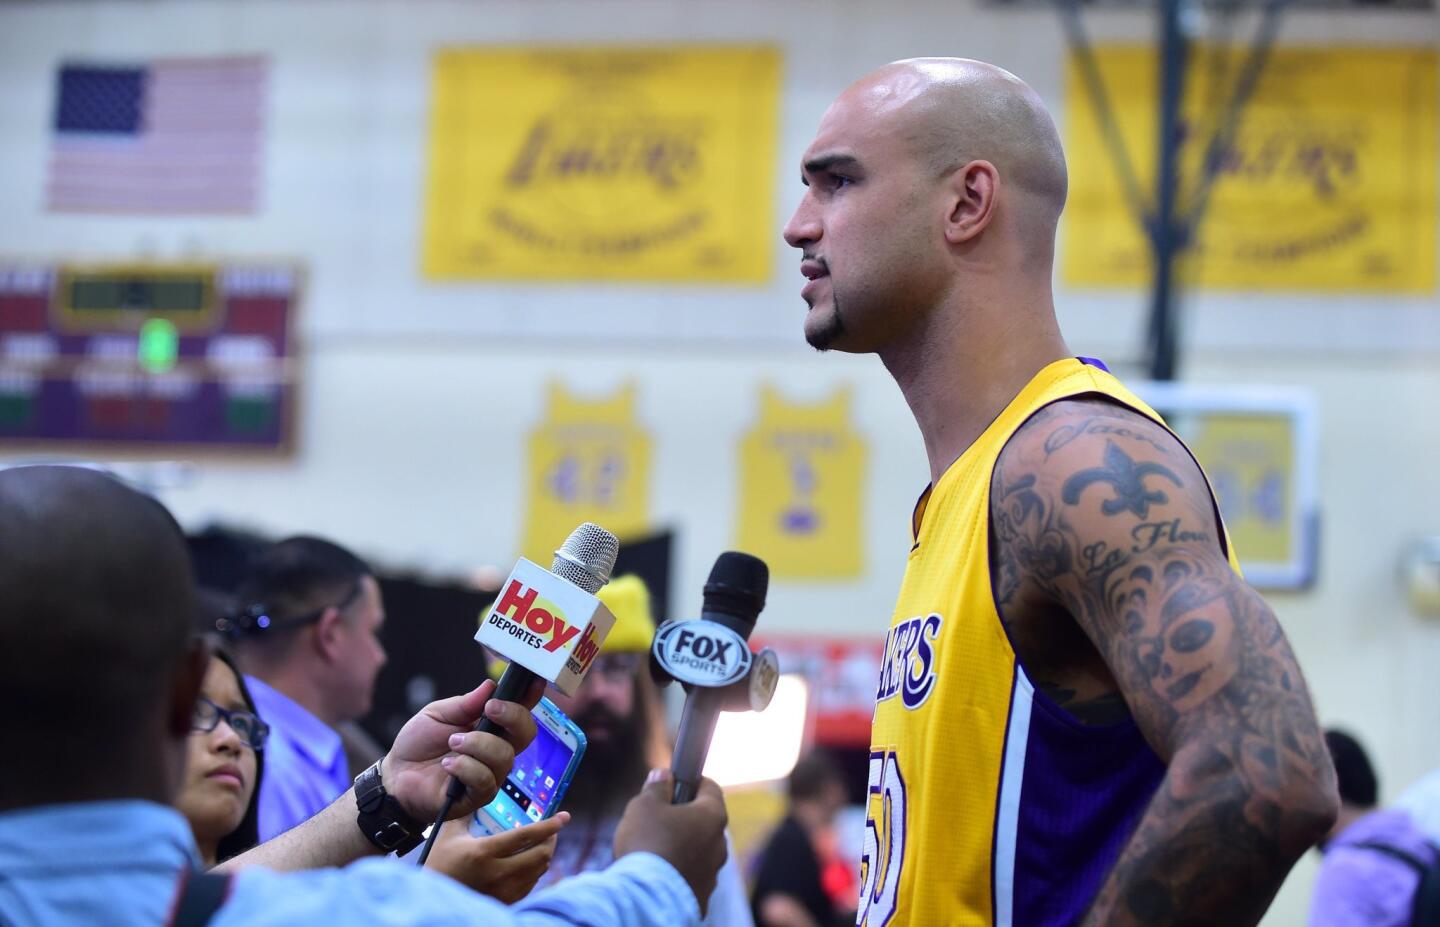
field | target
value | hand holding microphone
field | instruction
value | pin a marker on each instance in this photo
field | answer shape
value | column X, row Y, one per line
column 690, row 836
column 438, row 745
column 549, row 625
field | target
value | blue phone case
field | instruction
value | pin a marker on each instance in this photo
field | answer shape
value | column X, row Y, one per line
column 497, row 815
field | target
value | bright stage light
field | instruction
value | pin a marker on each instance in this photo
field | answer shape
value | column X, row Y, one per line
column 753, row 747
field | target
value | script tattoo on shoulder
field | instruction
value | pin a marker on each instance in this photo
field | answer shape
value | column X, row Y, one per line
column 1102, row 423
column 1202, row 662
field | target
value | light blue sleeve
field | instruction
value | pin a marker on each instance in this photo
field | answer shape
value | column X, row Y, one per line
column 641, row 890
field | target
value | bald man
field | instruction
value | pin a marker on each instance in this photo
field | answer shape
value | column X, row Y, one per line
column 1085, row 715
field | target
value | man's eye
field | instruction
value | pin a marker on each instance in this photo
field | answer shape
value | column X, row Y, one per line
column 837, row 181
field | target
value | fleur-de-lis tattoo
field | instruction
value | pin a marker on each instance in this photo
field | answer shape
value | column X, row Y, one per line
column 1127, row 477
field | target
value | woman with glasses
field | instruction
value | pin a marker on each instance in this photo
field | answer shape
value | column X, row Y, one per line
column 222, row 772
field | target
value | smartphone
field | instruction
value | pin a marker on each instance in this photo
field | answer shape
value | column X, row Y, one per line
column 540, row 776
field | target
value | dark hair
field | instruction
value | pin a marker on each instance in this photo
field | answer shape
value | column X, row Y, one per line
column 95, row 607
column 291, row 579
column 247, row 834
column 814, row 771
column 1353, row 773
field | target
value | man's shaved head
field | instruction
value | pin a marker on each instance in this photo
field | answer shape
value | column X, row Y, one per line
column 929, row 179
column 954, row 110
column 95, row 602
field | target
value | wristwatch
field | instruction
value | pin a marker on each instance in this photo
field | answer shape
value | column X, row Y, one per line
column 381, row 819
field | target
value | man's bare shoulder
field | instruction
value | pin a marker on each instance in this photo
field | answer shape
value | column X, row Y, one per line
column 1087, row 447
column 1071, row 425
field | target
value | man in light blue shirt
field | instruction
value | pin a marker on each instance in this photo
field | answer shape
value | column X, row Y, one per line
column 99, row 677
column 305, row 763
column 307, row 636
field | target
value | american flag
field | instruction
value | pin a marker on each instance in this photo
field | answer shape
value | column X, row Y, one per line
column 180, row 135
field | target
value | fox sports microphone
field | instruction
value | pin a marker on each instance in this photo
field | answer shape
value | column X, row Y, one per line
column 548, row 624
column 712, row 657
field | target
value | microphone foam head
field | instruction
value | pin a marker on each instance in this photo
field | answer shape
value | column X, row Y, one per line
column 737, row 585
column 587, row 557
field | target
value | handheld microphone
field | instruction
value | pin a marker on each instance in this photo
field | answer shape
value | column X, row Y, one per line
column 548, row 624
column 712, row 657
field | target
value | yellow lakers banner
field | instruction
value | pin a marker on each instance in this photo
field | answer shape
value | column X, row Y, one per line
column 801, row 489
column 589, row 461
column 588, row 162
column 1330, row 183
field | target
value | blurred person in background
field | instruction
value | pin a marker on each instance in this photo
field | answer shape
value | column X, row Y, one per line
column 790, row 877
column 224, row 765
column 100, row 675
column 1421, row 800
column 306, row 632
column 1375, row 860
column 620, row 710
column 360, row 748
column 1070, row 595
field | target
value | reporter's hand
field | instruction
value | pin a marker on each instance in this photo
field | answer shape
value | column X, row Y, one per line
column 505, row 866
column 690, row 837
column 440, row 741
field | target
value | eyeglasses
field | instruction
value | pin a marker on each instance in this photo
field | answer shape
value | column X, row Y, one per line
column 255, row 618
column 616, row 667
column 250, row 729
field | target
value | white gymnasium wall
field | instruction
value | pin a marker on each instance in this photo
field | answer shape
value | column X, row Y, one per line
column 414, row 413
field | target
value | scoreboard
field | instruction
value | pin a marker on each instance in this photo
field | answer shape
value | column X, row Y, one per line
column 148, row 355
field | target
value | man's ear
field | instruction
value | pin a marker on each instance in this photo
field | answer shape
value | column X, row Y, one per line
column 973, row 190
column 326, row 635
column 185, row 687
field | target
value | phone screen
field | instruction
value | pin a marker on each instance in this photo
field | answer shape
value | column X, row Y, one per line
column 529, row 791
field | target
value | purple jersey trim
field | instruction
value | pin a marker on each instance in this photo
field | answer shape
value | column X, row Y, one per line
column 1094, row 362
column 1084, row 791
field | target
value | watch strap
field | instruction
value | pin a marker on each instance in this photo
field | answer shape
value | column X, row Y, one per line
column 381, row 818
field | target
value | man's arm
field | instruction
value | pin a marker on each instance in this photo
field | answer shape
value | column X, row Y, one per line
column 434, row 745
column 1101, row 513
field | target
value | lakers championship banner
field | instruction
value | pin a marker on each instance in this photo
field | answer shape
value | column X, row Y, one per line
column 801, row 489
column 1329, row 185
column 588, row 461
column 595, row 163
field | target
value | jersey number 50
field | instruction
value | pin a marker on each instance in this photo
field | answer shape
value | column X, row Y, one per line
column 884, row 841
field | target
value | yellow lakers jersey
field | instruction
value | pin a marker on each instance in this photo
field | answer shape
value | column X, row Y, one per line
column 989, row 805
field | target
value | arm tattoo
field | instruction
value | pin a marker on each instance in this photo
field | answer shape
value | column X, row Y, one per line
column 1127, row 477
column 1105, row 421
column 1199, row 658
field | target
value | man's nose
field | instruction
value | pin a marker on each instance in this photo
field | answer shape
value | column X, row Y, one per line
column 804, row 226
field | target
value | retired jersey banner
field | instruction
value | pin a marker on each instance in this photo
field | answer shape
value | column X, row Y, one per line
column 589, row 461
column 1330, row 183
column 596, row 163
column 1249, row 459
column 802, row 473
column 1259, row 446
